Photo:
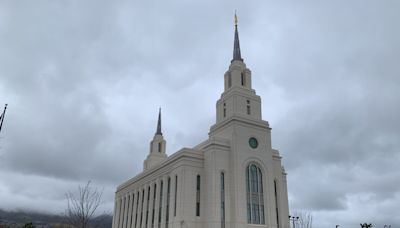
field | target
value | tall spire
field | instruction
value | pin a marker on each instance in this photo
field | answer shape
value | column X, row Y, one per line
column 158, row 132
column 236, row 45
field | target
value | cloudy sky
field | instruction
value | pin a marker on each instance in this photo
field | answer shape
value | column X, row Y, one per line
column 84, row 81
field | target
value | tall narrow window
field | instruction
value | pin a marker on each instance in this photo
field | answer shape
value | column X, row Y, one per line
column 159, row 147
column 248, row 107
column 154, row 205
column 276, row 202
column 167, row 206
column 222, row 200
column 176, row 193
column 141, row 209
column 255, row 198
column 160, row 207
column 243, row 79
column 127, row 210
column 147, row 208
column 120, row 212
column 123, row 213
column 137, row 207
column 224, row 109
column 198, row 196
column 133, row 200
column 229, row 80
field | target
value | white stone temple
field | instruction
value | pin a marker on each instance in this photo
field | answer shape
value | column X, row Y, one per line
column 234, row 179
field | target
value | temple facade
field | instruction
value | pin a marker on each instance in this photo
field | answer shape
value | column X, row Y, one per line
column 234, row 179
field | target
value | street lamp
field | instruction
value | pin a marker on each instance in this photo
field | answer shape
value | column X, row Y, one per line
column 293, row 218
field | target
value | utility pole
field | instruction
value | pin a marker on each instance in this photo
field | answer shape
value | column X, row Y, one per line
column 293, row 218
column 2, row 116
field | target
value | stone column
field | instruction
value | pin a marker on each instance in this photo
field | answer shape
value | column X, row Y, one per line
column 134, row 211
column 130, row 210
column 150, row 206
column 139, row 218
column 115, row 217
column 126, row 208
column 164, row 201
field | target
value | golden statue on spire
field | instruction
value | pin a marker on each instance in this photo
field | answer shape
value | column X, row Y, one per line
column 236, row 20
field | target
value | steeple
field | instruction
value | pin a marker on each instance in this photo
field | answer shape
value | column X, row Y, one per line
column 157, row 147
column 236, row 45
column 158, row 132
column 239, row 99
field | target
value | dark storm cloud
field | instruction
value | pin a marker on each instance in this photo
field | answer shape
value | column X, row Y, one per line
column 84, row 81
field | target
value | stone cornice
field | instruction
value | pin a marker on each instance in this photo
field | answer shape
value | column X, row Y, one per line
column 239, row 120
column 182, row 154
column 239, row 90
column 214, row 143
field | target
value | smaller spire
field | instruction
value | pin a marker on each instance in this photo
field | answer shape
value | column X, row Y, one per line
column 158, row 132
column 236, row 45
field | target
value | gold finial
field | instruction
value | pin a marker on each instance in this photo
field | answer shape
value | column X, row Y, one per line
column 236, row 20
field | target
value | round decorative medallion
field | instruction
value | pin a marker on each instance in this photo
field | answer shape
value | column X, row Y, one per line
column 253, row 142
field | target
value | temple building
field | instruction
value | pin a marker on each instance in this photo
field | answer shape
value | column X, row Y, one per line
column 234, row 179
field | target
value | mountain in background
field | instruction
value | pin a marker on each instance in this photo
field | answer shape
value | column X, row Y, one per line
column 19, row 218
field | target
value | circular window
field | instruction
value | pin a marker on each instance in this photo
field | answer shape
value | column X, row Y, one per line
column 253, row 142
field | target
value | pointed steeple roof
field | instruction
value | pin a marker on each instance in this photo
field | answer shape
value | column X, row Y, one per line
column 158, row 132
column 236, row 45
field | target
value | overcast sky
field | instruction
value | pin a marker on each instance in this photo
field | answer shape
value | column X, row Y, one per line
column 84, row 81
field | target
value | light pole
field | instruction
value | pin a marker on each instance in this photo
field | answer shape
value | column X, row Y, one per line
column 293, row 218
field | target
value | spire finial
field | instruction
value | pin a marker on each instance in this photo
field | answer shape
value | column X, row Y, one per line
column 236, row 19
column 236, row 45
column 158, row 132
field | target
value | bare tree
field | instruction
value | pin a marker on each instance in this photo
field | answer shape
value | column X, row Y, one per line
column 305, row 219
column 82, row 207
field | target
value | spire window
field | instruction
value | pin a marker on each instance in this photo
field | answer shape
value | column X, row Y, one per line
column 248, row 107
column 243, row 79
column 229, row 80
column 224, row 109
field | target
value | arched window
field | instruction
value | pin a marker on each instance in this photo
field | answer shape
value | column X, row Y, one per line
column 255, row 198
